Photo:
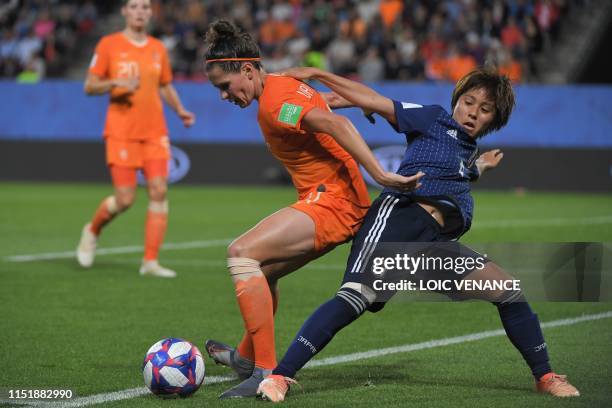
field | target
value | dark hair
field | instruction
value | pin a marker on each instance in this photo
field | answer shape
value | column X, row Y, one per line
column 225, row 40
column 497, row 87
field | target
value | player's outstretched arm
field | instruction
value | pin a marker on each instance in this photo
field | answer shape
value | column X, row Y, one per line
column 489, row 160
column 168, row 92
column 94, row 85
column 354, row 92
column 347, row 136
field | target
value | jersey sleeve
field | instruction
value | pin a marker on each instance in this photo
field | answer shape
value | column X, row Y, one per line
column 100, row 62
column 288, row 108
column 412, row 118
column 166, row 68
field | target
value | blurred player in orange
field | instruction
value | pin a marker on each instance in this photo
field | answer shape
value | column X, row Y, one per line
column 135, row 70
column 319, row 149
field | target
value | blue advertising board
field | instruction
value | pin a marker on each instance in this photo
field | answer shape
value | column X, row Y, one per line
column 545, row 116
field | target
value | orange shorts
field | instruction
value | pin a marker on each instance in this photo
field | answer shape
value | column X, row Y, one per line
column 126, row 176
column 336, row 219
column 134, row 153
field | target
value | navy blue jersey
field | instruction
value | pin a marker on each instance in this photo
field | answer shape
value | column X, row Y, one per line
column 439, row 147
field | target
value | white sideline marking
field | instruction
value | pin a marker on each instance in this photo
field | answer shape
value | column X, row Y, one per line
column 118, row 250
column 550, row 222
column 137, row 392
column 104, row 398
column 214, row 263
column 446, row 342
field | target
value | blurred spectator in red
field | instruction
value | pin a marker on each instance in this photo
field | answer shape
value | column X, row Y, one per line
column 390, row 10
column 275, row 31
column 511, row 35
column 458, row 64
column 86, row 16
column 546, row 13
column 508, row 66
column 355, row 26
column 435, row 66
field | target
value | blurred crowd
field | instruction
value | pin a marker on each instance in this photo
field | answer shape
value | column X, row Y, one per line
column 371, row 40
column 40, row 37
column 374, row 40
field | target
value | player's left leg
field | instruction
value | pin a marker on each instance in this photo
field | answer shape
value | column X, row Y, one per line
column 287, row 235
column 156, row 223
column 523, row 330
column 298, row 234
column 242, row 358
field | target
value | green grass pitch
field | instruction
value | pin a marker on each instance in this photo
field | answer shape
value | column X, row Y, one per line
column 87, row 330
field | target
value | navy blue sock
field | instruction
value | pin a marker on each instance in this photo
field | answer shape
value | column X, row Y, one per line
column 523, row 329
column 319, row 329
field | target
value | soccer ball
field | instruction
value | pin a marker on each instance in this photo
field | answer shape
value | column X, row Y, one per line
column 173, row 367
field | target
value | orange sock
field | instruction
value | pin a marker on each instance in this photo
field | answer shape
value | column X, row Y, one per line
column 245, row 347
column 104, row 214
column 256, row 305
column 155, row 228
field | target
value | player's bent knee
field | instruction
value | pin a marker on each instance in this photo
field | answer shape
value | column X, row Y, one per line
column 360, row 297
column 509, row 296
column 237, row 250
column 367, row 292
column 125, row 201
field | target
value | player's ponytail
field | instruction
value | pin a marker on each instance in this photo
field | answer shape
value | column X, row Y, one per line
column 229, row 47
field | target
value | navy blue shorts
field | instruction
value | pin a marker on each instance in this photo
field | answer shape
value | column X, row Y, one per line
column 395, row 224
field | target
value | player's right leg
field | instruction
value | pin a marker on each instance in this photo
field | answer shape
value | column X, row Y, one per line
column 124, row 181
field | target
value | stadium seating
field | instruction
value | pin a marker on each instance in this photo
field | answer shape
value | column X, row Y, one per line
column 371, row 39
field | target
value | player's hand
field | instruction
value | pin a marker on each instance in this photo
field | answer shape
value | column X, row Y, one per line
column 188, row 118
column 400, row 183
column 129, row 84
column 300, row 73
column 489, row 160
column 369, row 115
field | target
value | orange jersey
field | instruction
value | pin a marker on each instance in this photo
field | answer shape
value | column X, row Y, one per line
column 311, row 159
column 136, row 116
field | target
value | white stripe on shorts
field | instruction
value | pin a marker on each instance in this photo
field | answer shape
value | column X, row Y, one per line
column 375, row 233
column 366, row 241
